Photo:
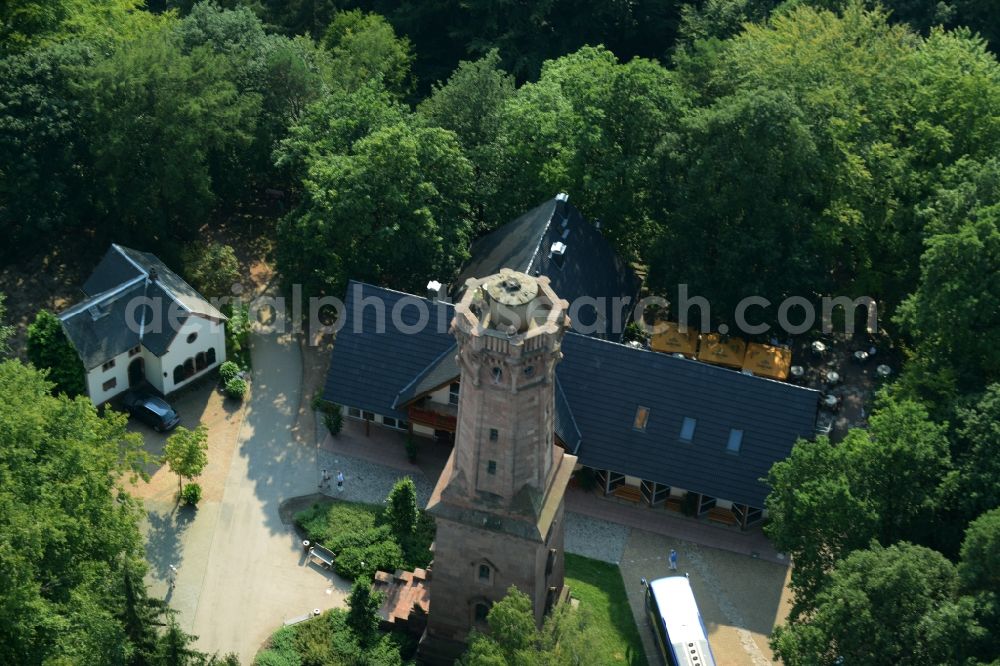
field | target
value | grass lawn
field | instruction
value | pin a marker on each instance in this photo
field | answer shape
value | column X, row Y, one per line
column 599, row 586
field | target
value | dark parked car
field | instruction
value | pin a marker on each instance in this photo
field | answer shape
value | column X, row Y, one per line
column 151, row 410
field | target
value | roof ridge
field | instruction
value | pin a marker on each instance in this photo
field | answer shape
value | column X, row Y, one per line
column 422, row 373
column 541, row 237
column 74, row 310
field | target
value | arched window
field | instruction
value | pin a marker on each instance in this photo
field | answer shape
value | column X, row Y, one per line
column 188, row 368
column 497, row 373
column 178, row 374
column 484, row 573
column 199, row 361
column 210, row 356
column 482, row 610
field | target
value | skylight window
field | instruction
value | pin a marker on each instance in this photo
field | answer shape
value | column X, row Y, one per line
column 641, row 417
column 687, row 429
column 735, row 441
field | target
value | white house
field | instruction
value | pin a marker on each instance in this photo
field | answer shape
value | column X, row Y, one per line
column 142, row 322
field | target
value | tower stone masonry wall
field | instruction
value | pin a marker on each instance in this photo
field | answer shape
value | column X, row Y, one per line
column 499, row 501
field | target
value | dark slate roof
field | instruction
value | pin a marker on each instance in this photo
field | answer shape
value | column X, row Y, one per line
column 371, row 364
column 99, row 326
column 442, row 370
column 606, row 382
column 98, row 340
column 113, row 270
column 599, row 386
column 173, row 285
column 589, row 266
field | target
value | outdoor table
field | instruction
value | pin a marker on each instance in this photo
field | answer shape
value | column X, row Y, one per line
column 797, row 370
column 883, row 371
column 860, row 356
column 833, row 377
column 818, row 347
column 830, row 401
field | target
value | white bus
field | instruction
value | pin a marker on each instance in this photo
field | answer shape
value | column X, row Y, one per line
column 677, row 625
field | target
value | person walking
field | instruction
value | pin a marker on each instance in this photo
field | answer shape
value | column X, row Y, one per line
column 673, row 560
column 172, row 576
column 340, row 481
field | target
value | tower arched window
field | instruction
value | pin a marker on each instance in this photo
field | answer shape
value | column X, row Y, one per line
column 481, row 611
column 497, row 373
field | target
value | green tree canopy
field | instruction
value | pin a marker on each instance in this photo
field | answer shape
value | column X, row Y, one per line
column 567, row 636
column 876, row 607
column 50, row 349
column 6, row 331
column 69, row 533
column 827, row 501
column 394, row 211
column 155, row 119
column 25, row 23
column 186, row 452
column 952, row 314
column 365, row 47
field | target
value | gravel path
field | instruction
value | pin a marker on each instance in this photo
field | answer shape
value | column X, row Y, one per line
column 366, row 481
column 595, row 538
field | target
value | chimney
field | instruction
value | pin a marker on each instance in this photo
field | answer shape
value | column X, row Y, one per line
column 558, row 253
column 433, row 290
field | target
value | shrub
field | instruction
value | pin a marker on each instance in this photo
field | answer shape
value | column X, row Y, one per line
column 334, row 422
column 49, row 348
column 191, row 494
column 236, row 388
column 401, row 507
column 238, row 334
column 281, row 649
column 356, row 562
column 362, row 613
column 329, row 523
column 211, row 268
column 228, row 372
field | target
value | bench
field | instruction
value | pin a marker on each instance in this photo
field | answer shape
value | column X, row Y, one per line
column 723, row 516
column 674, row 504
column 628, row 493
column 322, row 555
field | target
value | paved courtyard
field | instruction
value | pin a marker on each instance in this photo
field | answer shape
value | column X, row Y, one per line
column 241, row 570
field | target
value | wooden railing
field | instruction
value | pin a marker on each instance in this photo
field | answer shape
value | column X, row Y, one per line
column 432, row 419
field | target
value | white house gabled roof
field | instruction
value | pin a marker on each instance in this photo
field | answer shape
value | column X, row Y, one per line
column 132, row 299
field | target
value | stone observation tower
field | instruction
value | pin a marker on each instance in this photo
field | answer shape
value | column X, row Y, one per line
column 499, row 501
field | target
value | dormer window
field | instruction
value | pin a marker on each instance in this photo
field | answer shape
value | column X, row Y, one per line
column 641, row 417
column 687, row 429
column 735, row 441
column 107, row 366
